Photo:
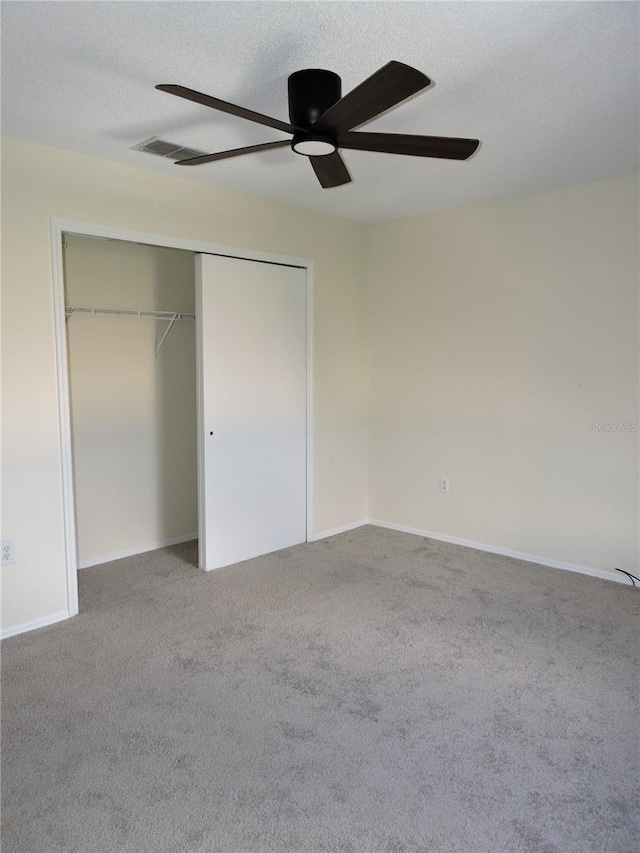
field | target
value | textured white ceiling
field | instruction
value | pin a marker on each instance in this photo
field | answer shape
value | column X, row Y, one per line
column 550, row 88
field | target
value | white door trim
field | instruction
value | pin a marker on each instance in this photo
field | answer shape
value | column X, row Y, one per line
column 60, row 227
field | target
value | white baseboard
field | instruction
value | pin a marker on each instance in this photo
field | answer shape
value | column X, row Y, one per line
column 139, row 549
column 507, row 552
column 403, row 528
column 343, row 529
column 37, row 623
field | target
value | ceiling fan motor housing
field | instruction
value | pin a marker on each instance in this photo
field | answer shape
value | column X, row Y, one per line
column 311, row 92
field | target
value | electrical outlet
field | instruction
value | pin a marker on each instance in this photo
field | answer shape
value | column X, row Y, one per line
column 8, row 552
column 444, row 485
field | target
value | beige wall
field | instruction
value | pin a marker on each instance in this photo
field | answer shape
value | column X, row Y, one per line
column 494, row 336
column 39, row 183
column 133, row 415
column 499, row 334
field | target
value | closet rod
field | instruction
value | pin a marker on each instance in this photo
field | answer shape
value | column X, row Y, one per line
column 129, row 312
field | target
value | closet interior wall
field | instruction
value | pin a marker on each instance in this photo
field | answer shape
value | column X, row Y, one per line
column 133, row 414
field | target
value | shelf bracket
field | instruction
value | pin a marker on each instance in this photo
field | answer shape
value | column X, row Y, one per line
column 164, row 337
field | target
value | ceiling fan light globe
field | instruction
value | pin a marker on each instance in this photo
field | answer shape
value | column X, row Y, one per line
column 313, row 145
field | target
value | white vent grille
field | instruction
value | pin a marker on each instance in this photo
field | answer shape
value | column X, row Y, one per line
column 164, row 148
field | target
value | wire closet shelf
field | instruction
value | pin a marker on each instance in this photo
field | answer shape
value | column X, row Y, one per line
column 136, row 313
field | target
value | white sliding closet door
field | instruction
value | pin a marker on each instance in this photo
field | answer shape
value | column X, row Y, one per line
column 252, row 419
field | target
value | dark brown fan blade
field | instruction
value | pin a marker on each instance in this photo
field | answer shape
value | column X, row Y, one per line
column 330, row 170
column 446, row 147
column 225, row 107
column 391, row 84
column 234, row 152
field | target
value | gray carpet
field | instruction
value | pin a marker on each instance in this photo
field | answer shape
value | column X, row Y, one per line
column 371, row 692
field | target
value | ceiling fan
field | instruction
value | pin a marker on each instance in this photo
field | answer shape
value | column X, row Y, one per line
column 322, row 121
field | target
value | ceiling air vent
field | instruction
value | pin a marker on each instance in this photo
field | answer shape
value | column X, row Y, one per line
column 164, row 148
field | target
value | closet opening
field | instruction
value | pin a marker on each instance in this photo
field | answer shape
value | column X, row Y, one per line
column 131, row 355
column 185, row 402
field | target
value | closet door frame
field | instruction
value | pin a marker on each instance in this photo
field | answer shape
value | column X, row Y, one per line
column 58, row 229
